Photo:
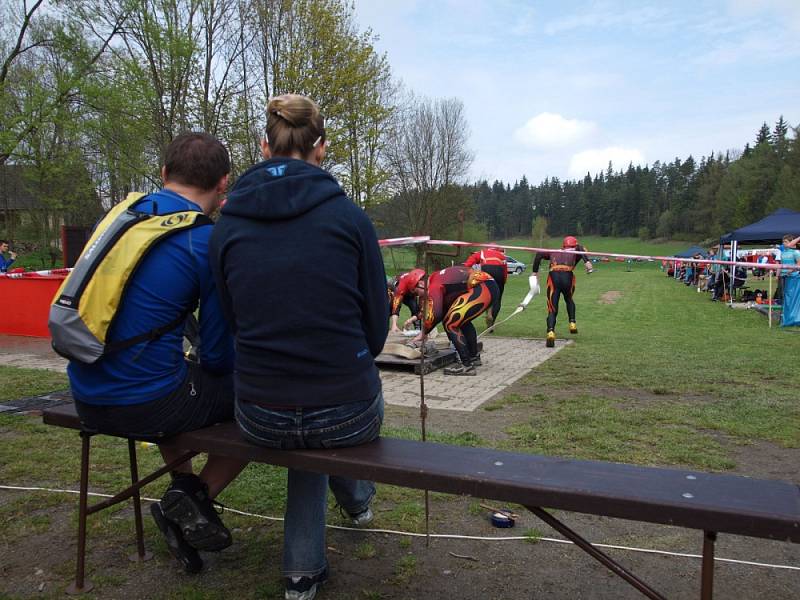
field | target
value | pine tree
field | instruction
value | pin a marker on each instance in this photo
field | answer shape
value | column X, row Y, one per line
column 779, row 139
column 764, row 135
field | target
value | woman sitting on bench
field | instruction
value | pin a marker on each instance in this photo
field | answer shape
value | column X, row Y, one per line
column 309, row 317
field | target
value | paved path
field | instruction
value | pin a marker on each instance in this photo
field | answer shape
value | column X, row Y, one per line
column 30, row 353
column 504, row 361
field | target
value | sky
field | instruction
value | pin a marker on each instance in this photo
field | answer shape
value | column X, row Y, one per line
column 559, row 88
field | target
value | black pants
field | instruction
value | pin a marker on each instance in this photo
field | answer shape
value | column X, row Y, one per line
column 558, row 283
column 499, row 274
column 201, row 400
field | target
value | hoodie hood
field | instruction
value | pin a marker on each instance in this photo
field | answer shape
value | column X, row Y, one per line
column 280, row 188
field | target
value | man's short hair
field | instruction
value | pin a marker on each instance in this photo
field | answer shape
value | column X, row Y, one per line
column 196, row 159
column 3, row 242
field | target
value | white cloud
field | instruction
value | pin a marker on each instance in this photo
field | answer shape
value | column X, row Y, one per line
column 551, row 130
column 596, row 160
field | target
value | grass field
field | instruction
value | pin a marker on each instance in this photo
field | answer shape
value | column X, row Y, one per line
column 658, row 375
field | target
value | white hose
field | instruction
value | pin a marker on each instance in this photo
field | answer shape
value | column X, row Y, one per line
column 533, row 284
column 449, row 536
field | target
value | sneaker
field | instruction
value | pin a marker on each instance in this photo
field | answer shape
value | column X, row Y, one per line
column 573, row 327
column 551, row 339
column 186, row 503
column 177, row 546
column 362, row 519
column 304, row 588
column 476, row 361
column 460, row 370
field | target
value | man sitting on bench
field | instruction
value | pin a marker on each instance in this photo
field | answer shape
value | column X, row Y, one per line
column 148, row 390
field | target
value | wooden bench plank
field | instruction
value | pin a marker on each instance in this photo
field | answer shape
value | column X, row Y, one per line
column 693, row 499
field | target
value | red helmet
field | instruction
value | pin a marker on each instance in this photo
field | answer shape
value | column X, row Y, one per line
column 570, row 242
column 414, row 277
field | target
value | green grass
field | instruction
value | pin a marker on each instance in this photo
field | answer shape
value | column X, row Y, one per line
column 660, row 376
column 21, row 383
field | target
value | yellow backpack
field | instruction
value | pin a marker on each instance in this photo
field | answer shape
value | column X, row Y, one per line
column 86, row 304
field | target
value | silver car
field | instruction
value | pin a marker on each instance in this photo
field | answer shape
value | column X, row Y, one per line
column 514, row 266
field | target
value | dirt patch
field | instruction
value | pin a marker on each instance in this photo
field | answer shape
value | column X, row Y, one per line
column 610, row 297
column 385, row 566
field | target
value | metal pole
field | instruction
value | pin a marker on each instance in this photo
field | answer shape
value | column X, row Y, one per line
column 423, row 408
column 734, row 247
column 141, row 553
column 769, row 298
column 707, row 573
column 80, row 585
column 595, row 553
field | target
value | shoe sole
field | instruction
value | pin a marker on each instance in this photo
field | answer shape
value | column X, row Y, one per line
column 197, row 530
column 182, row 551
column 550, row 343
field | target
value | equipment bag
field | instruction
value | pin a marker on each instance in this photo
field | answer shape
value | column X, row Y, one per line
column 86, row 304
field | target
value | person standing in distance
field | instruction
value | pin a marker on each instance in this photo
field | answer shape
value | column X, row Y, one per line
column 561, row 281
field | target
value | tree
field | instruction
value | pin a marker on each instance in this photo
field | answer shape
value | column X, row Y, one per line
column 428, row 156
column 539, row 231
column 32, row 41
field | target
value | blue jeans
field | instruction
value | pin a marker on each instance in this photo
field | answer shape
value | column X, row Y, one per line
column 307, row 493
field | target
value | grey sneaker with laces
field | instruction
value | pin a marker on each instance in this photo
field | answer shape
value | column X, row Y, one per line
column 362, row 519
column 461, row 370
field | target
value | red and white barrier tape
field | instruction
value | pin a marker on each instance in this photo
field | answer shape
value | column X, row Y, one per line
column 34, row 274
column 424, row 239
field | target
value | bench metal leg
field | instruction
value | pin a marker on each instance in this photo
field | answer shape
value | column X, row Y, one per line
column 141, row 553
column 80, row 585
column 707, row 574
column 603, row 558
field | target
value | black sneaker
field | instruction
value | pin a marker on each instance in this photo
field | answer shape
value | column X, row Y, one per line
column 460, row 370
column 187, row 504
column 304, row 588
column 177, row 546
column 476, row 361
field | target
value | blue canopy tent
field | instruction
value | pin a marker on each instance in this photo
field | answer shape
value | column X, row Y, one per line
column 691, row 252
column 769, row 230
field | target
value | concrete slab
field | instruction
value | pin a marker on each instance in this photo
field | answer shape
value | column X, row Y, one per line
column 30, row 353
column 504, row 361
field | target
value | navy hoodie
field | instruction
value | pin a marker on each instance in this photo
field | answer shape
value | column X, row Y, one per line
column 301, row 280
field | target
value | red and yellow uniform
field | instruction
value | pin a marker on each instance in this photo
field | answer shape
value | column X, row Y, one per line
column 561, row 281
column 492, row 260
column 456, row 295
column 401, row 292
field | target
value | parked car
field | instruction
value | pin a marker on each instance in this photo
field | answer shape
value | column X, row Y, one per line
column 514, row 266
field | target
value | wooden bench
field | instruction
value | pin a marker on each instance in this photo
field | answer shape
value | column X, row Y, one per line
column 712, row 503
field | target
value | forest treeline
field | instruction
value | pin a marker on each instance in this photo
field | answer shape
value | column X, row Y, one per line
column 687, row 199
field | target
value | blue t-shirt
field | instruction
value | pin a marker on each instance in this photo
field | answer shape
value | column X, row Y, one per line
column 789, row 256
column 5, row 264
column 169, row 281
